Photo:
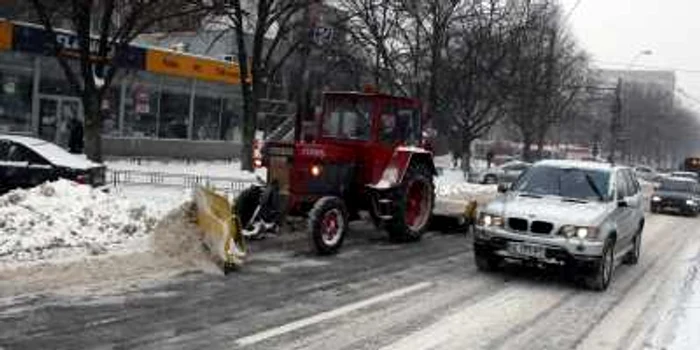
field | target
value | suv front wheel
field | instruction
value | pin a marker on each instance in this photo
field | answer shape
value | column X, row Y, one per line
column 599, row 279
column 485, row 260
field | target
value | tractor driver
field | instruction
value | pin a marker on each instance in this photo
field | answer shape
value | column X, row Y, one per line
column 388, row 127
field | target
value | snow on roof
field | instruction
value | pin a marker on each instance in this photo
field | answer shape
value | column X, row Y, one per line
column 679, row 179
column 684, row 173
column 577, row 164
column 53, row 153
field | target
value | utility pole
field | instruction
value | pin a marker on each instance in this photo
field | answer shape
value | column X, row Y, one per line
column 616, row 122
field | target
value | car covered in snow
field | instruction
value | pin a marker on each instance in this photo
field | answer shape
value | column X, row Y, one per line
column 676, row 194
column 646, row 173
column 506, row 173
column 686, row 174
column 583, row 215
column 26, row 162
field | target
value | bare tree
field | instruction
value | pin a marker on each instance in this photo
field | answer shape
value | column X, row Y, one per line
column 272, row 25
column 550, row 75
column 104, row 30
column 475, row 90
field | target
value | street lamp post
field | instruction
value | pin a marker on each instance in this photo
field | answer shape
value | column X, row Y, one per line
column 621, row 115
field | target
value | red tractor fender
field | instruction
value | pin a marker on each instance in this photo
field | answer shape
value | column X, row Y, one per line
column 400, row 161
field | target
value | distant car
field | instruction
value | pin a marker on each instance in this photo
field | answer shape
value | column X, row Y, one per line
column 645, row 173
column 584, row 215
column 26, row 162
column 506, row 173
column 686, row 174
column 677, row 194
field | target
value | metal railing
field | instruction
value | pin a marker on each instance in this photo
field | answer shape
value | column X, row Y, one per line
column 189, row 181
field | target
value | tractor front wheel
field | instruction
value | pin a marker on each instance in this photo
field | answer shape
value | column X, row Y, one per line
column 246, row 205
column 414, row 205
column 328, row 224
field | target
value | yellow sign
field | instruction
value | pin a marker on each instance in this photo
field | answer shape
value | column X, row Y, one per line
column 5, row 35
column 187, row 66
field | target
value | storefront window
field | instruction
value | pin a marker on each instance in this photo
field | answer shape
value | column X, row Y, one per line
column 53, row 77
column 141, row 104
column 207, row 111
column 16, row 82
column 174, row 108
column 232, row 115
column 110, row 109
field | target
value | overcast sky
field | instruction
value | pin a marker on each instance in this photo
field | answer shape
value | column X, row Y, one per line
column 614, row 31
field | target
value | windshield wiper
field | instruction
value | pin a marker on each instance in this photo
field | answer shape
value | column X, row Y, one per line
column 574, row 200
column 591, row 183
column 530, row 195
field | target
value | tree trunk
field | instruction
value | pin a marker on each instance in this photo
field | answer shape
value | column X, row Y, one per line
column 248, row 136
column 466, row 158
column 540, row 147
column 527, row 145
column 92, row 126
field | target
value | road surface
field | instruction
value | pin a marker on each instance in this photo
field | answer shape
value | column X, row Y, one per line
column 376, row 295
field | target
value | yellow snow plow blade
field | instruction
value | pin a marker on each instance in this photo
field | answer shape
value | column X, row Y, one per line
column 220, row 228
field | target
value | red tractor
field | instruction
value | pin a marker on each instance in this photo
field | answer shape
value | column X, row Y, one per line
column 366, row 154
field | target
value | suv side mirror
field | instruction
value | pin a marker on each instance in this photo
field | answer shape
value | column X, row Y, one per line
column 622, row 203
column 503, row 187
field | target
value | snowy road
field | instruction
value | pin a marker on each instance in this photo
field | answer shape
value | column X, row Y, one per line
column 377, row 295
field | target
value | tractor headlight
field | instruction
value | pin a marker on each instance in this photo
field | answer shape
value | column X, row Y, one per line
column 656, row 199
column 488, row 220
column 582, row 232
column 316, row 170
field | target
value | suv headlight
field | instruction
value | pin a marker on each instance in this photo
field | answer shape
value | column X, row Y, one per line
column 489, row 220
column 582, row 232
column 690, row 202
column 656, row 199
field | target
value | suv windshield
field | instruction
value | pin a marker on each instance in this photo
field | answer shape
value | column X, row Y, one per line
column 576, row 183
column 677, row 186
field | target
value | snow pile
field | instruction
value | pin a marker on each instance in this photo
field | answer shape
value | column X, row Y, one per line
column 451, row 183
column 222, row 169
column 65, row 220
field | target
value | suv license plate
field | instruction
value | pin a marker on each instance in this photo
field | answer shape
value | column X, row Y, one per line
column 528, row 250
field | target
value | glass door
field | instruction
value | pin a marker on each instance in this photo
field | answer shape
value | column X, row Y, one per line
column 48, row 118
column 56, row 116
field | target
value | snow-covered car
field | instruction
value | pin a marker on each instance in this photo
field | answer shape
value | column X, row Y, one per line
column 581, row 214
column 686, row 174
column 677, row 194
column 506, row 173
column 26, row 162
column 645, row 173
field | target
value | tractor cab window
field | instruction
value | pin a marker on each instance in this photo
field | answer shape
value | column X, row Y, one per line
column 347, row 118
column 399, row 125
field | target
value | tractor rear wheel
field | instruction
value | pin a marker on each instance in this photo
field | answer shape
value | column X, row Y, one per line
column 246, row 204
column 414, row 205
column 328, row 224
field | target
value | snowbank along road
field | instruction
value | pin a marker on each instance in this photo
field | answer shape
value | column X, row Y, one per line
column 378, row 295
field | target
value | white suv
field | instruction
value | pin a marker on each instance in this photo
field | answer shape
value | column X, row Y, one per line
column 584, row 215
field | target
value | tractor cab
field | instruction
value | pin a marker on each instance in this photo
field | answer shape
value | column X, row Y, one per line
column 364, row 154
column 371, row 125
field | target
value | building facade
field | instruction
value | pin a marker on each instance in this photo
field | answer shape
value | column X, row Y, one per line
column 161, row 103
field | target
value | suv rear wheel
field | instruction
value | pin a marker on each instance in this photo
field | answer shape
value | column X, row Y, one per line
column 632, row 258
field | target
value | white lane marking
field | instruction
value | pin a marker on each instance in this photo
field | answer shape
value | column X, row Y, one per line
column 478, row 324
column 324, row 316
